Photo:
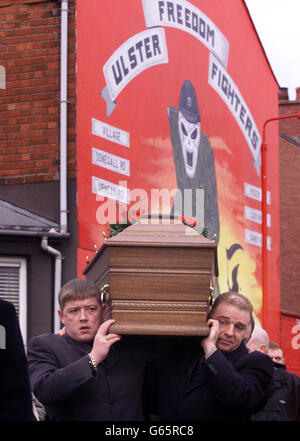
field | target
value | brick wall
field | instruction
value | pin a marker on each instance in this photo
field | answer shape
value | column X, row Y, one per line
column 29, row 104
column 289, row 204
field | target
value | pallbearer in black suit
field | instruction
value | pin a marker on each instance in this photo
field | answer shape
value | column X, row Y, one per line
column 88, row 373
column 220, row 382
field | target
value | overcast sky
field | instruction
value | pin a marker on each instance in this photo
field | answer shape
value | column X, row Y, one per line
column 278, row 25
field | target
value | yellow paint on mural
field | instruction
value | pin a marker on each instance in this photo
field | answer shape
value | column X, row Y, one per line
column 247, row 282
column 232, row 224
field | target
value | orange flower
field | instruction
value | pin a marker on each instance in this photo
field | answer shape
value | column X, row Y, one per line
column 189, row 221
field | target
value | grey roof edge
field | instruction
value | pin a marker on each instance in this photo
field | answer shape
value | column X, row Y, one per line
column 292, row 139
column 37, row 218
column 39, row 234
column 41, row 226
column 49, row 234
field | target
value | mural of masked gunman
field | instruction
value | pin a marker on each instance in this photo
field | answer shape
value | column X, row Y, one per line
column 194, row 163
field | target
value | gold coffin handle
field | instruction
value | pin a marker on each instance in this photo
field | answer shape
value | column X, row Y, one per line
column 211, row 298
column 105, row 294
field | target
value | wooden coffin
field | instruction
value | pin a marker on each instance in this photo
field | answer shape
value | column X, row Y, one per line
column 156, row 278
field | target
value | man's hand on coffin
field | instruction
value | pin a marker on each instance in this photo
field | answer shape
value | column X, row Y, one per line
column 209, row 343
column 103, row 341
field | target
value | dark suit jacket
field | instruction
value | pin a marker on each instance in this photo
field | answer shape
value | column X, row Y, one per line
column 64, row 382
column 283, row 400
column 225, row 387
column 15, row 394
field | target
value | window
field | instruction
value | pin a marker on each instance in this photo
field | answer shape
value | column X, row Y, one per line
column 13, row 287
column 2, row 77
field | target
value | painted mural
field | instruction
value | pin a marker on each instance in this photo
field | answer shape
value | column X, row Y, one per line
column 172, row 96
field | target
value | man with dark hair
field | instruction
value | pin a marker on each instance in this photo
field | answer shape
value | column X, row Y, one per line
column 88, row 373
column 15, row 395
column 222, row 382
column 240, row 302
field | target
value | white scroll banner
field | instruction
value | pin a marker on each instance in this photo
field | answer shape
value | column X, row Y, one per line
column 143, row 50
column 223, row 84
column 183, row 15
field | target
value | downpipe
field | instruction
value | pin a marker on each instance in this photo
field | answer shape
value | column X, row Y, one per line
column 57, row 278
column 63, row 116
column 63, row 162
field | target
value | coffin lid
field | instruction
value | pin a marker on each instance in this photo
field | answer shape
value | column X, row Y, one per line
column 158, row 232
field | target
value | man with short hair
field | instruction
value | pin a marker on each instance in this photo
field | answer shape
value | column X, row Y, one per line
column 223, row 382
column 275, row 352
column 259, row 341
column 282, row 402
column 88, row 373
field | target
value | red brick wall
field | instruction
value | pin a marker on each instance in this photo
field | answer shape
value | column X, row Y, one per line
column 290, row 207
column 29, row 105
